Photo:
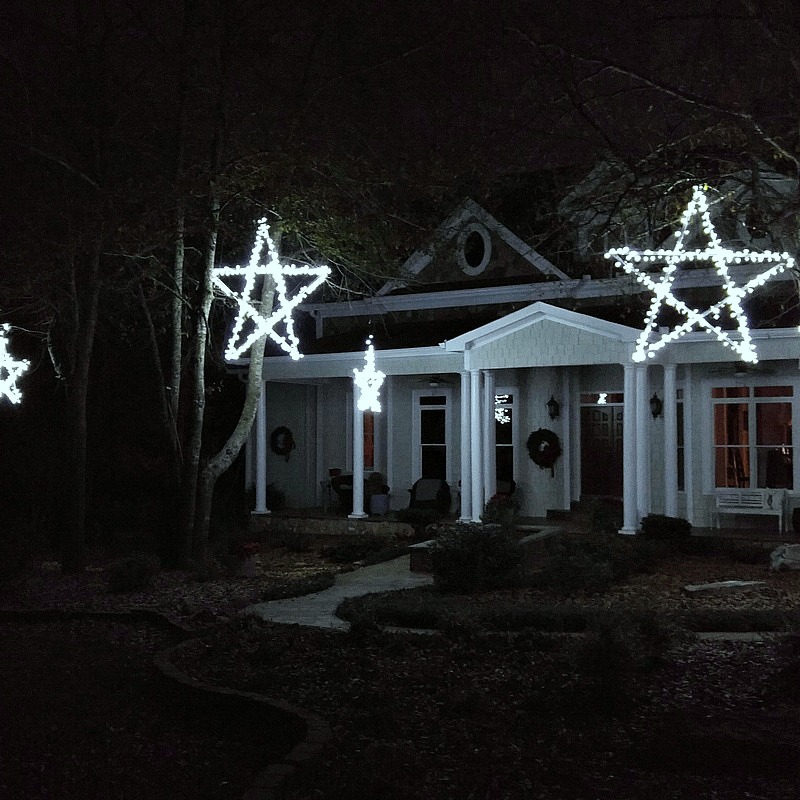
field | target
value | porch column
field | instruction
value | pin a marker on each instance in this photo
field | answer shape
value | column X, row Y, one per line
column 466, row 449
column 688, row 440
column 475, row 445
column 566, row 434
column 670, row 442
column 629, row 516
column 261, row 453
column 358, row 459
column 489, row 439
column 643, row 434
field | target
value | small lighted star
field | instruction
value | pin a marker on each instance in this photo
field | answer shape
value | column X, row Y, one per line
column 252, row 319
column 10, row 369
column 721, row 257
column 369, row 381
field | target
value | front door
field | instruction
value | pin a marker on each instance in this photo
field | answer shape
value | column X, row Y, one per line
column 601, row 450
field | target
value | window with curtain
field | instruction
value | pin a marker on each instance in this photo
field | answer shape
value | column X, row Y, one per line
column 753, row 437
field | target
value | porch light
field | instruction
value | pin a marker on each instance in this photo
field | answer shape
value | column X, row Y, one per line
column 553, row 408
column 656, row 405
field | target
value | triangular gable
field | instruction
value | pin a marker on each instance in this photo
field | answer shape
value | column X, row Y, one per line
column 468, row 212
column 545, row 335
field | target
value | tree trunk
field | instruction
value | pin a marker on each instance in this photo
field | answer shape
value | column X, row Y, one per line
column 222, row 461
column 87, row 295
column 192, row 449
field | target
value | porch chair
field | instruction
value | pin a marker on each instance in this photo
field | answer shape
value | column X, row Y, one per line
column 431, row 493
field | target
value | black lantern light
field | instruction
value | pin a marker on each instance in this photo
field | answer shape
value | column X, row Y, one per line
column 656, row 405
column 553, row 408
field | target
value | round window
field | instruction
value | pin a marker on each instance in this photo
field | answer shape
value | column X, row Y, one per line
column 474, row 249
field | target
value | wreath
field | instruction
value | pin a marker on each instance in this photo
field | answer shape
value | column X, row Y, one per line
column 544, row 448
column 281, row 442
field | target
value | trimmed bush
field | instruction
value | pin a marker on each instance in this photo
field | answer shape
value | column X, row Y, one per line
column 669, row 529
column 134, row 573
column 473, row 557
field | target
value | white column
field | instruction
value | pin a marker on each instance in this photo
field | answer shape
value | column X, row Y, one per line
column 688, row 440
column 466, row 449
column 475, row 443
column 670, row 442
column 642, row 442
column 388, row 401
column 261, row 453
column 630, row 520
column 358, row 459
column 319, row 445
column 566, row 434
column 489, row 438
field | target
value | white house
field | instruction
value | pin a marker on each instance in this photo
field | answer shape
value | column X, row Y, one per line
column 484, row 342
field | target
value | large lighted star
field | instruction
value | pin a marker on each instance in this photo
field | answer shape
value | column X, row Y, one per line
column 721, row 257
column 251, row 322
column 369, row 381
column 10, row 369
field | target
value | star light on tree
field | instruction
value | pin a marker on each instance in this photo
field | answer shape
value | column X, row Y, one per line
column 251, row 322
column 10, row 369
column 721, row 257
column 369, row 381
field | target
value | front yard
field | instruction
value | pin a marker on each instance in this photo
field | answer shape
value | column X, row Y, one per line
column 494, row 705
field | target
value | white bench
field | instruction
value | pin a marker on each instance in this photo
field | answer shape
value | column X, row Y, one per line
column 752, row 501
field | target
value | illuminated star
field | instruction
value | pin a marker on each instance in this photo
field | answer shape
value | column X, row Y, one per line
column 369, row 381
column 10, row 369
column 251, row 322
column 721, row 257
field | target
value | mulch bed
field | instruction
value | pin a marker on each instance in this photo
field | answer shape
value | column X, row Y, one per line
column 413, row 716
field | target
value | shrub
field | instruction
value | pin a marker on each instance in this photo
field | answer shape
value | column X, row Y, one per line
column 134, row 573
column 419, row 519
column 500, row 510
column 356, row 550
column 670, row 529
column 294, row 541
column 472, row 557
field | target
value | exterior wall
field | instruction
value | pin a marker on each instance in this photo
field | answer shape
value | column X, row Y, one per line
column 289, row 405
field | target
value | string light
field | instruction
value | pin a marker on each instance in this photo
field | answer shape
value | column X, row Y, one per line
column 369, row 381
column 10, row 369
column 661, row 285
column 247, row 301
column 501, row 414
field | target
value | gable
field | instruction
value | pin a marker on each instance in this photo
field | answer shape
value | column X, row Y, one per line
column 471, row 248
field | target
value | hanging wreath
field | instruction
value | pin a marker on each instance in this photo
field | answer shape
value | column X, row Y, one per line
column 544, row 448
column 282, row 442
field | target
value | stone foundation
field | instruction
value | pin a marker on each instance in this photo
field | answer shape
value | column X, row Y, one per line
column 329, row 530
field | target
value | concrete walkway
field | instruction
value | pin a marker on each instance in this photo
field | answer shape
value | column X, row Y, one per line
column 318, row 609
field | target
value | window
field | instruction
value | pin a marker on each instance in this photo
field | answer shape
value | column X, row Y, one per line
column 431, row 435
column 753, row 436
column 504, row 436
column 369, row 440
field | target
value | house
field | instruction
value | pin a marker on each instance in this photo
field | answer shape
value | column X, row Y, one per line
column 489, row 351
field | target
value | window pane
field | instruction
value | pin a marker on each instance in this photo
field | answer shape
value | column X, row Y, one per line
column 774, row 391
column 369, row 440
column 434, row 461
column 731, row 391
column 774, row 467
column 774, row 423
column 503, row 430
column 504, row 464
column 433, row 401
column 730, row 424
column 432, row 426
column 732, row 467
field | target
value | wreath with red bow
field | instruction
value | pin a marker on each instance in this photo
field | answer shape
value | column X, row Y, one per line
column 544, row 448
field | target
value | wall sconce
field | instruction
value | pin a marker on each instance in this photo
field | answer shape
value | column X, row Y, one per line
column 656, row 405
column 553, row 408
